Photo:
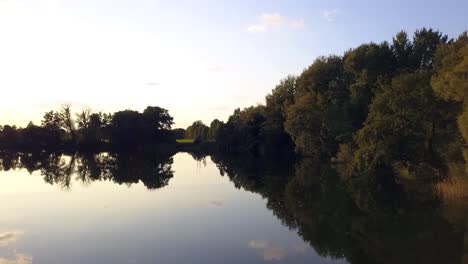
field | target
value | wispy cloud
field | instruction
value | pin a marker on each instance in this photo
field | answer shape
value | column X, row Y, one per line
column 216, row 68
column 270, row 21
column 152, row 83
column 297, row 24
column 330, row 14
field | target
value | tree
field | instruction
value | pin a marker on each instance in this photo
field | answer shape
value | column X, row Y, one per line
column 402, row 49
column 126, row 128
column 451, row 81
column 90, row 127
column 407, row 124
column 52, row 121
column 9, row 136
column 67, row 121
column 130, row 128
column 424, row 47
column 213, row 132
column 367, row 66
column 317, row 120
column 243, row 131
column 83, row 118
column 275, row 137
column 282, row 96
column 418, row 53
column 157, row 119
column 197, row 131
column 178, row 133
column 303, row 124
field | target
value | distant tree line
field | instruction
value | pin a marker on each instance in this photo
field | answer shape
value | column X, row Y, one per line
column 378, row 106
column 86, row 129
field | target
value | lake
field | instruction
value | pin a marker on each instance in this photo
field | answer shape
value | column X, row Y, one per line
column 152, row 208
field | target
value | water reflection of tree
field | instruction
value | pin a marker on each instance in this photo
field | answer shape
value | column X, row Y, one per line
column 153, row 169
column 9, row 161
column 338, row 223
column 58, row 169
column 266, row 177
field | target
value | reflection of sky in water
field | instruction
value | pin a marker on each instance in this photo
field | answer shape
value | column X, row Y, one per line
column 17, row 259
column 6, row 238
column 271, row 252
column 200, row 217
column 8, row 254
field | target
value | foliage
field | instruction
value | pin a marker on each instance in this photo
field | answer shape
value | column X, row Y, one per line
column 242, row 132
column 185, row 141
column 376, row 107
column 260, row 129
column 451, row 79
column 407, row 123
column 60, row 130
column 197, row 131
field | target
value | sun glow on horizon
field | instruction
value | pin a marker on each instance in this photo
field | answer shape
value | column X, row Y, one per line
column 51, row 56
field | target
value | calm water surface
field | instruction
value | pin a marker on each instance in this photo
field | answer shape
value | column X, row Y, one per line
column 199, row 217
column 102, row 209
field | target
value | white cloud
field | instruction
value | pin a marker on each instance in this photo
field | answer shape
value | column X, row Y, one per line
column 152, row 83
column 298, row 24
column 270, row 21
column 216, row 68
column 273, row 19
column 330, row 14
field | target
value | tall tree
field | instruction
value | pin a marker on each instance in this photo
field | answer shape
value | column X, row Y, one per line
column 67, row 120
column 407, row 123
column 451, row 79
column 320, row 108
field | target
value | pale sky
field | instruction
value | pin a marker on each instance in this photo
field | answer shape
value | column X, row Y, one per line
column 200, row 59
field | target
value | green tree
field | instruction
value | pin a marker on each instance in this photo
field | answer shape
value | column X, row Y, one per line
column 407, row 124
column 276, row 139
column 424, row 46
column 303, row 124
column 451, row 80
column 242, row 131
column 318, row 121
column 367, row 66
column 157, row 118
column 215, row 126
column 197, row 131
column 402, row 49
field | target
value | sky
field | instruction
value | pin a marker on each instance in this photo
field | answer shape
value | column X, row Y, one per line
column 200, row 59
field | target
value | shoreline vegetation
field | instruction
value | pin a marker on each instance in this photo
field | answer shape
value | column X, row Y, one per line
column 382, row 112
